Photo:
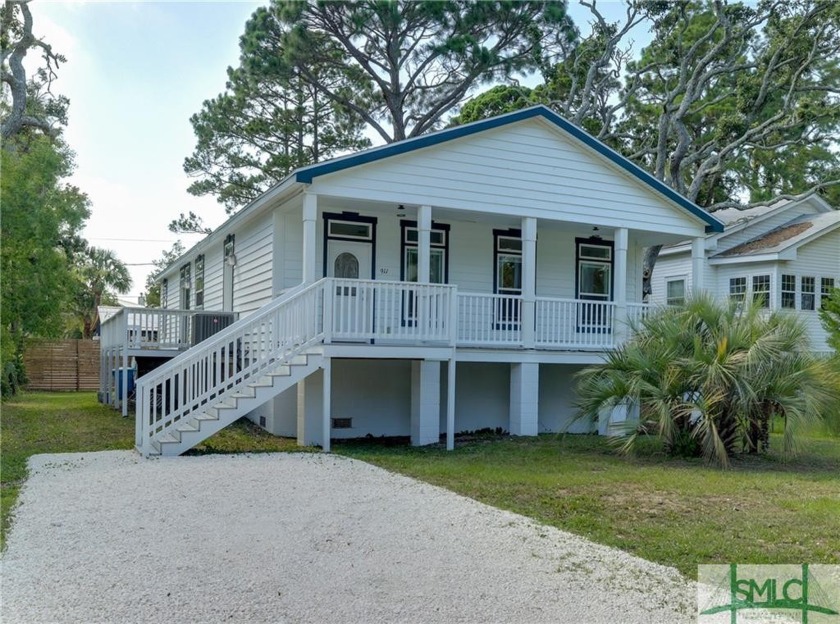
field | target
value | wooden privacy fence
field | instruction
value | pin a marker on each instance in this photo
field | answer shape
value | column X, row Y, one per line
column 62, row 365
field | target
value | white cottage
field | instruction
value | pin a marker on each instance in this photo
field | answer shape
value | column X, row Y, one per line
column 452, row 282
column 786, row 255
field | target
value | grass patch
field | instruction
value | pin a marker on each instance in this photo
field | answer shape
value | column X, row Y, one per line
column 41, row 422
column 676, row 512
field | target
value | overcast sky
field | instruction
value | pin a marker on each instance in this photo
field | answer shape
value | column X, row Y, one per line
column 135, row 73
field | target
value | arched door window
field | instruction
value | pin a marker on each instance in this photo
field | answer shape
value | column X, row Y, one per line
column 346, row 266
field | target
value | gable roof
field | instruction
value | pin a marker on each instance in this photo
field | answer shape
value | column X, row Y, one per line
column 739, row 219
column 786, row 237
column 307, row 174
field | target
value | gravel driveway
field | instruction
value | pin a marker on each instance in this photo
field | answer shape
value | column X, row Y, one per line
column 108, row 537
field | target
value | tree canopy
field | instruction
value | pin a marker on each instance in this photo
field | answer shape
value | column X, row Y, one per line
column 314, row 75
column 730, row 104
column 267, row 123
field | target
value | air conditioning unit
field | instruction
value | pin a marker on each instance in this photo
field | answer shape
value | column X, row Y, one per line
column 205, row 324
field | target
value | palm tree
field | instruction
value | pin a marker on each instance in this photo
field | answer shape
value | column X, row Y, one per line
column 98, row 273
column 708, row 378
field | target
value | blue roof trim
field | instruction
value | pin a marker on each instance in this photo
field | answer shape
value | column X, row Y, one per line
column 307, row 174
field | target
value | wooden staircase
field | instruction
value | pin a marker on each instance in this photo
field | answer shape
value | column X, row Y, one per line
column 211, row 385
column 193, row 429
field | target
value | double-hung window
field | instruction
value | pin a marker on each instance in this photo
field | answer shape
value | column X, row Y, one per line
column 507, row 253
column 438, row 256
column 594, row 283
column 675, row 292
column 737, row 289
column 789, row 292
column 826, row 286
column 199, row 282
column 761, row 290
column 410, row 265
column 186, row 286
column 808, row 293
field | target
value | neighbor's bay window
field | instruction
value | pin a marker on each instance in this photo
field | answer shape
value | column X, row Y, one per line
column 826, row 286
column 737, row 289
column 761, row 290
column 808, row 294
column 789, row 292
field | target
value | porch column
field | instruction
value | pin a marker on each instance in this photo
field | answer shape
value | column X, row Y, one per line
column 450, row 403
column 524, row 398
column 620, row 322
column 425, row 402
column 698, row 264
column 424, row 242
column 310, row 216
column 310, row 409
column 529, row 281
column 326, row 399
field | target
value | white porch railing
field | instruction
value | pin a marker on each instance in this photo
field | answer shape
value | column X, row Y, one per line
column 152, row 329
column 573, row 323
column 330, row 309
column 636, row 312
column 390, row 311
column 493, row 320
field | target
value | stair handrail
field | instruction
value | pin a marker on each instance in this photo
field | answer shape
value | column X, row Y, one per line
column 215, row 380
column 222, row 336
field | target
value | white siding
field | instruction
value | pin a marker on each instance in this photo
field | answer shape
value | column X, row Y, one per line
column 526, row 169
column 213, row 263
column 670, row 268
column 818, row 259
column 292, row 244
column 252, row 286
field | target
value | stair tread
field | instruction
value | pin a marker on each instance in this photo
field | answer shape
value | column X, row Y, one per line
column 205, row 416
column 168, row 437
column 188, row 427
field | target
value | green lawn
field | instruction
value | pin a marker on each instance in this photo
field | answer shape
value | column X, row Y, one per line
column 679, row 513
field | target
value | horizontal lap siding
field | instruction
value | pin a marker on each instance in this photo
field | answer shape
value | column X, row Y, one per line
column 252, row 274
column 292, row 237
column 669, row 268
column 213, row 271
column 818, row 259
column 521, row 169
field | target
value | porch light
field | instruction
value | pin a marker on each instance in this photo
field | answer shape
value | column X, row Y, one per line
column 400, row 210
column 231, row 260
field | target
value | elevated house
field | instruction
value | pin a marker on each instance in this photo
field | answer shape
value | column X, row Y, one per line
column 786, row 255
column 447, row 283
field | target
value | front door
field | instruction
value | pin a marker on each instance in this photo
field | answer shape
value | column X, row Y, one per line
column 353, row 304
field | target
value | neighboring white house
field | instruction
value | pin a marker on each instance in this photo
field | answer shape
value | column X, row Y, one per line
column 452, row 282
column 787, row 254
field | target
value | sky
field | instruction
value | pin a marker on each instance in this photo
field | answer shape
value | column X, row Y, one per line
column 135, row 73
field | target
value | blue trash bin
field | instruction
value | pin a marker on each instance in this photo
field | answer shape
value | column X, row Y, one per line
column 119, row 379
